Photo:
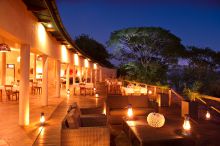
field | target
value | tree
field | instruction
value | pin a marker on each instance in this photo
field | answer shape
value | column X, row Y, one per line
column 94, row 49
column 152, row 49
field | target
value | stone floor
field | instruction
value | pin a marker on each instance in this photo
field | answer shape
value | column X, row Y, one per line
column 14, row 135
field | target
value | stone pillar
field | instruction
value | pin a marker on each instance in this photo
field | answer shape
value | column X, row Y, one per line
column 58, row 66
column 67, row 77
column 3, row 68
column 24, row 86
column 44, row 97
column 34, row 69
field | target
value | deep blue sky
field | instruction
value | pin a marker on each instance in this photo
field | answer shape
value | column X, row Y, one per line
column 196, row 23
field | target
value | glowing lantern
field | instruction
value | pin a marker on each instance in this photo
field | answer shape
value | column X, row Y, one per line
column 155, row 120
column 42, row 119
column 149, row 92
column 76, row 59
column 186, row 126
column 96, row 95
column 130, row 111
column 95, row 66
column 208, row 115
column 86, row 63
column 68, row 92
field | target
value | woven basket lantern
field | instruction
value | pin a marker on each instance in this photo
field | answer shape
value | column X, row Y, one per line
column 155, row 120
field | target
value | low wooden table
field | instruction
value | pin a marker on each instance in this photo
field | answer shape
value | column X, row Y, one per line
column 141, row 134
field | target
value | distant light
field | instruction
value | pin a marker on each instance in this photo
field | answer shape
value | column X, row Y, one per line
column 68, row 92
column 49, row 25
column 42, row 119
column 76, row 60
column 130, row 111
column 208, row 115
column 149, row 92
column 96, row 95
column 19, row 59
column 86, row 63
column 94, row 66
column 10, row 66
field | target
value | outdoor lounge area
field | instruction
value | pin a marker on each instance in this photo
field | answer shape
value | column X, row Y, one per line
column 56, row 91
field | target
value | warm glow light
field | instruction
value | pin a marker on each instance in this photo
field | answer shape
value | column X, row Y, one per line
column 130, row 111
column 49, row 25
column 96, row 95
column 11, row 66
column 78, row 73
column 62, row 72
column 86, row 63
column 76, row 60
column 94, row 89
column 19, row 59
column 41, row 34
column 68, row 92
column 64, row 53
column 186, row 126
column 94, row 66
column 208, row 115
column 39, row 70
column 42, row 119
column 155, row 120
column 149, row 92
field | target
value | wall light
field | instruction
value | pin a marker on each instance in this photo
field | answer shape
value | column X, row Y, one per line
column 49, row 25
column 19, row 59
column 94, row 66
column 76, row 60
column 86, row 63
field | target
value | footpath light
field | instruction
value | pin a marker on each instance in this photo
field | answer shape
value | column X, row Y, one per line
column 42, row 119
column 130, row 112
column 186, row 126
column 208, row 115
column 68, row 91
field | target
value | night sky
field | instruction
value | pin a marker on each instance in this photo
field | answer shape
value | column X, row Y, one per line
column 196, row 23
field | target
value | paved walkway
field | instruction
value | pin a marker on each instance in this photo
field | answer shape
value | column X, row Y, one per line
column 14, row 135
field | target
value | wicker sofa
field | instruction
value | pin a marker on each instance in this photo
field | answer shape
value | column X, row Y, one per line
column 117, row 107
column 84, row 130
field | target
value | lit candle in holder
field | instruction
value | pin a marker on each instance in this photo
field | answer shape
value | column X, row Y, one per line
column 42, row 119
column 186, row 126
column 208, row 115
column 96, row 95
column 130, row 112
column 68, row 91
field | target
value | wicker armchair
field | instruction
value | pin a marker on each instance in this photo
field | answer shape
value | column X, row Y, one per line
column 84, row 130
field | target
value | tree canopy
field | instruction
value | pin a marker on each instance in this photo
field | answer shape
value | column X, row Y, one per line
column 94, row 49
column 151, row 49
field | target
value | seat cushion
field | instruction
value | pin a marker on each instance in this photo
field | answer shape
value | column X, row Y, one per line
column 118, row 112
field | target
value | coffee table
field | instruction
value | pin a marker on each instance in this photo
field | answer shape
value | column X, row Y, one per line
column 141, row 134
